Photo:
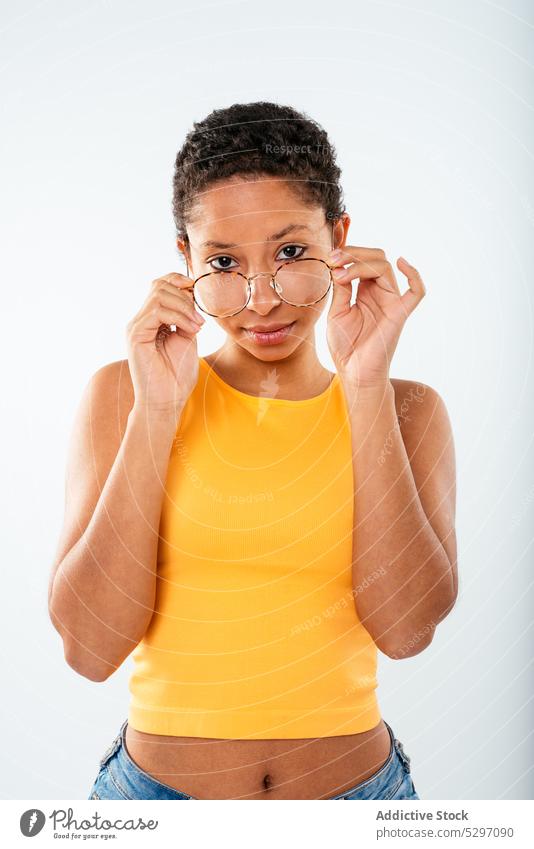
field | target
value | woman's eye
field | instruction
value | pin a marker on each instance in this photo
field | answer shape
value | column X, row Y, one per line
column 224, row 263
column 291, row 252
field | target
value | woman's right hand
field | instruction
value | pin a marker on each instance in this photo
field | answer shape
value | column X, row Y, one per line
column 164, row 363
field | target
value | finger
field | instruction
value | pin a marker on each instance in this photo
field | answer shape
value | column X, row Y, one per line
column 155, row 315
column 341, row 298
column 178, row 319
column 179, row 301
column 417, row 290
column 186, row 316
column 389, row 280
column 362, row 268
column 350, row 253
column 369, row 264
column 178, row 280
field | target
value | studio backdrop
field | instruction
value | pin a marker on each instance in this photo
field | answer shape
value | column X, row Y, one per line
column 429, row 106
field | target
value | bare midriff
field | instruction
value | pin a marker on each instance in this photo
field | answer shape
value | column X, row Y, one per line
column 317, row 768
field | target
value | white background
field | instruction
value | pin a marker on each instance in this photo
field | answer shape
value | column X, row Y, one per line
column 429, row 105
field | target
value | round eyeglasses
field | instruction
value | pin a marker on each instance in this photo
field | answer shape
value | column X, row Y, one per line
column 300, row 282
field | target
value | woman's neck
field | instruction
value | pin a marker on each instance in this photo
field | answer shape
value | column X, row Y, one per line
column 297, row 377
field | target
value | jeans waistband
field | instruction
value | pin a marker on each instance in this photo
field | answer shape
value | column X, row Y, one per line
column 131, row 778
column 389, row 774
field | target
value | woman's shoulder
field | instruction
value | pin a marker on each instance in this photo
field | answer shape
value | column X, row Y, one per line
column 410, row 388
column 421, row 410
column 414, row 391
column 116, row 374
column 112, row 389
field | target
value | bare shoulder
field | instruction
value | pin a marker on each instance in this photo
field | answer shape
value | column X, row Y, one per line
column 424, row 424
column 112, row 393
column 420, row 406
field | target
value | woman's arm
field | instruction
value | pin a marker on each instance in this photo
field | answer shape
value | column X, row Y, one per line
column 404, row 545
column 404, row 551
column 102, row 586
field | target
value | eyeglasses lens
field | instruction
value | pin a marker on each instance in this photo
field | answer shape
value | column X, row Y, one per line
column 300, row 283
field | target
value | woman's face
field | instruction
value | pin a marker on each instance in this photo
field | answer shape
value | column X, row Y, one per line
column 253, row 226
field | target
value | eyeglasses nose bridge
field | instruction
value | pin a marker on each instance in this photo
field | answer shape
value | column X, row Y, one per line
column 272, row 282
column 260, row 274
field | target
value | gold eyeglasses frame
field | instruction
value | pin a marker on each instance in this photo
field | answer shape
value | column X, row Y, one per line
column 273, row 283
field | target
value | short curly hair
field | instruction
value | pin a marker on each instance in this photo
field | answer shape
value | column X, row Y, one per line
column 254, row 139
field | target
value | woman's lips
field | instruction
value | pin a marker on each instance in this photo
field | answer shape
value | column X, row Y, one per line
column 271, row 337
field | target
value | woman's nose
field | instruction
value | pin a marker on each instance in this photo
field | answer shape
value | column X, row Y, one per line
column 263, row 291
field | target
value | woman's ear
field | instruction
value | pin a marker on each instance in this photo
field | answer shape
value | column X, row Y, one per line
column 183, row 247
column 341, row 230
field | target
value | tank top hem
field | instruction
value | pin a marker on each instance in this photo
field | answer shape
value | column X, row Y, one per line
column 274, row 724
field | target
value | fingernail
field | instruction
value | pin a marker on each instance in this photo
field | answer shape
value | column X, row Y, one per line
column 338, row 273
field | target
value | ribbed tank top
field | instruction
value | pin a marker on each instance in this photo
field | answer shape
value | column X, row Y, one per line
column 255, row 633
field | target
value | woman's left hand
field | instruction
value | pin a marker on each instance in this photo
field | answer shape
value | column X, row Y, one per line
column 362, row 338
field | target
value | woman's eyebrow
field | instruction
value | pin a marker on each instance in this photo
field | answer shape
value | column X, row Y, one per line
column 290, row 228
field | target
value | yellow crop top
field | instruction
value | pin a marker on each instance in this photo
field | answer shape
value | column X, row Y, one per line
column 255, row 632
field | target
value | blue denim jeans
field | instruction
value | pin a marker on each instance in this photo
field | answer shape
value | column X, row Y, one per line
column 119, row 777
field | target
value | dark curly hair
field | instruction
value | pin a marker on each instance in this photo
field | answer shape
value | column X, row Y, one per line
column 252, row 139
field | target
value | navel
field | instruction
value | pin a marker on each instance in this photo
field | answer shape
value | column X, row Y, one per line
column 267, row 782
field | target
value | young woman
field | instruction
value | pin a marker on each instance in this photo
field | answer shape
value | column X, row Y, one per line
column 251, row 527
